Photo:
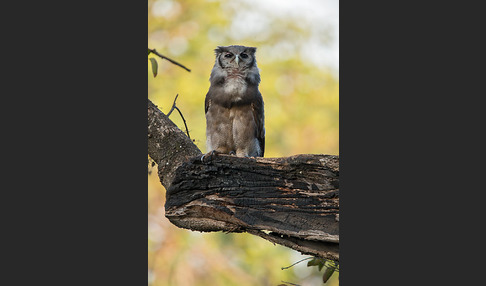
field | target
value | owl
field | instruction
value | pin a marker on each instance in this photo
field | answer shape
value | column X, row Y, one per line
column 234, row 105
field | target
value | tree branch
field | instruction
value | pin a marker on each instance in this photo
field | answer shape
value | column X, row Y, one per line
column 170, row 60
column 168, row 146
column 292, row 201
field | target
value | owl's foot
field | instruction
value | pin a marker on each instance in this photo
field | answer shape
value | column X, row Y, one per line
column 209, row 156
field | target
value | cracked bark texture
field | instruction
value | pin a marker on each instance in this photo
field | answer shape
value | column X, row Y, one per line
column 168, row 146
column 292, row 201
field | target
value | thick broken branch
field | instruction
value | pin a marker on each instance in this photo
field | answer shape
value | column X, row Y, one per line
column 292, row 201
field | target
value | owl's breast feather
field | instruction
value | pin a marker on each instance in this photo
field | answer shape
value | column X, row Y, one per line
column 235, row 86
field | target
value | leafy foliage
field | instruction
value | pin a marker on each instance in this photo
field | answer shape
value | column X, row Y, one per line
column 331, row 267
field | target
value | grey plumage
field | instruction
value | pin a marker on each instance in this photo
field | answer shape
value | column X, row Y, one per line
column 234, row 105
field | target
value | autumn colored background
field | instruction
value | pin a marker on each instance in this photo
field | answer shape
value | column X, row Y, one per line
column 298, row 57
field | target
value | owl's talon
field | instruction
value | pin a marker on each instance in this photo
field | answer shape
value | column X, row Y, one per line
column 232, row 153
column 210, row 156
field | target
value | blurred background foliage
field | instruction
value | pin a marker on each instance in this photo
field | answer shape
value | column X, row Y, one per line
column 297, row 53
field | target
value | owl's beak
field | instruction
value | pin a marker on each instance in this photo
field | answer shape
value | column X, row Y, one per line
column 237, row 59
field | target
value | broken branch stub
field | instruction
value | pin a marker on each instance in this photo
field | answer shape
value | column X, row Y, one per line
column 293, row 201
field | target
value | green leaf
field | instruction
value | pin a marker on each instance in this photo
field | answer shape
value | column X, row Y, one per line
column 327, row 274
column 154, row 66
column 317, row 262
column 320, row 265
column 149, row 51
column 313, row 262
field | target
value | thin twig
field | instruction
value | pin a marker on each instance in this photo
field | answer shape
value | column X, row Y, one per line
column 170, row 60
column 175, row 107
column 187, row 131
column 297, row 262
column 291, row 283
column 333, row 265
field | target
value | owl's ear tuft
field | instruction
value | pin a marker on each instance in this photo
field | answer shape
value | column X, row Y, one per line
column 219, row 50
column 252, row 49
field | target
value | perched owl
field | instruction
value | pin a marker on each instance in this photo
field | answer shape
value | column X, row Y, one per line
column 234, row 105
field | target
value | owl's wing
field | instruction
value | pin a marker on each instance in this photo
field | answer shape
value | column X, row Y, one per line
column 207, row 103
column 259, row 117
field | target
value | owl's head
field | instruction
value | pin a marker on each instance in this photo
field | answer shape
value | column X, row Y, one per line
column 235, row 57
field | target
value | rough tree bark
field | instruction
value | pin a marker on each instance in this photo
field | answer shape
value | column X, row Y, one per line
column 292, row 201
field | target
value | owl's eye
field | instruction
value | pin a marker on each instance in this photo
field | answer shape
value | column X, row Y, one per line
column 228, row 55
column 243, row 55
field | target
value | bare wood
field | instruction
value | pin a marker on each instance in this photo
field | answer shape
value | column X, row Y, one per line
column 292, row 201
